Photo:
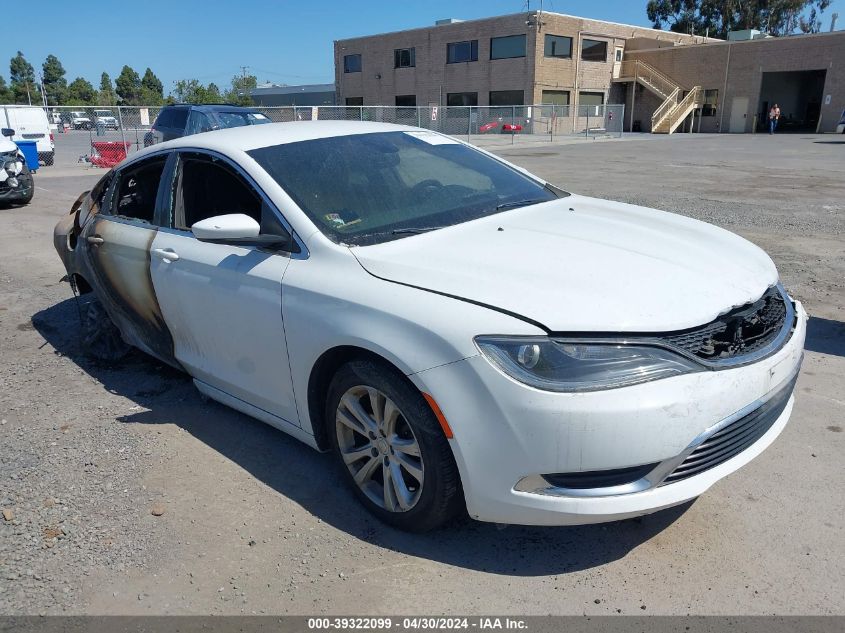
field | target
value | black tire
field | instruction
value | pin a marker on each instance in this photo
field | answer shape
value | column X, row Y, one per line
column 100, row 337
column 440, row 498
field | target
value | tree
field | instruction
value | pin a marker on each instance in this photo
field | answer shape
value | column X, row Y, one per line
column 53, row 79
column 152, row 92
column 128, row 86
column 6, row 95
column 80, row 92
column 239, row 93
column 718, row 17
column 106, row 96
column 192, row 91
column 22, row 78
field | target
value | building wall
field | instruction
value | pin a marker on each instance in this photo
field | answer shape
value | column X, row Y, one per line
column 736, row 70
column 432, row 78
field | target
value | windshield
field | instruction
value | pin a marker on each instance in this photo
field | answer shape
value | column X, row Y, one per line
column 237, row 119
column 103, row 113
column 370, row 188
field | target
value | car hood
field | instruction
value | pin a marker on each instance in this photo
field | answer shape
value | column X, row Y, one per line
column 580, row 264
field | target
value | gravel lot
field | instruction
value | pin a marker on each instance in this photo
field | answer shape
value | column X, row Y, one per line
column 250, row 521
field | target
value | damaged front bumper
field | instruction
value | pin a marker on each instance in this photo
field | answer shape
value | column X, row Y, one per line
column 16, row 183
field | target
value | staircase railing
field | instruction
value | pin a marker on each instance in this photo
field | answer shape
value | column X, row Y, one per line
column 648, row 74
column 682, row 109
column 665, row 108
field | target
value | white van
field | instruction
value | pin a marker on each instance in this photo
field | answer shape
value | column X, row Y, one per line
column 30, row 124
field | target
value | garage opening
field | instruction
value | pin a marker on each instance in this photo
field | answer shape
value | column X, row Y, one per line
column 799, row 95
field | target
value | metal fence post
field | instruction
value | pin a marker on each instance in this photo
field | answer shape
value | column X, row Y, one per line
column 122, row 133
column 587, row 128
column 419, row 120
column 360, row 113
column 469, row 123
column 513, row 123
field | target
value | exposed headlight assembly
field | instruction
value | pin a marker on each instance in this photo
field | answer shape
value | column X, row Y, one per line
column 550, row 365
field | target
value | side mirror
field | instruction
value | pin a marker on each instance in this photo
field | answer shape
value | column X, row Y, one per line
column 8, row 132
column 235, row 228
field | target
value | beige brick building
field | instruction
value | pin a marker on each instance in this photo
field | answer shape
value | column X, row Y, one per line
column 667, row 81
column 803, row 74
column 525, row 58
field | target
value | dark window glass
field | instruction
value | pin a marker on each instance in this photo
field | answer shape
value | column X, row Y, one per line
column 352, row 63
column 506, row 97
column 457, row 52
column 556, row 97
column 711, row 100
column 165, row 118
column 137, row 190
column 406, row 100
column 179, row 118
column 590, row 98
column 593, row 51
column 410, row 180
column 558, row 46
column 507, row 47
column 404, row 58
column 462, row 99
column 354, row 101
column 199, row 123
column 208, row 188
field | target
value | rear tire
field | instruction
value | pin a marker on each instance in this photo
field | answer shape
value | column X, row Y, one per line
column 391, row 448
column 100, row 337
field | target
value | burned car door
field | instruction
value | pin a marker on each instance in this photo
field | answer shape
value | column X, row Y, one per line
column 117, row 246
column 223, row 301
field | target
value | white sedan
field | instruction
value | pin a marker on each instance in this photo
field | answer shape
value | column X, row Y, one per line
column 460, row 333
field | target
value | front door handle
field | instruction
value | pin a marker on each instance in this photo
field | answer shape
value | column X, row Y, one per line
column 95, row 239
column 165, row 254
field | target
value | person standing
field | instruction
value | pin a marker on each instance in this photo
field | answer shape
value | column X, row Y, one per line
column 774, row 116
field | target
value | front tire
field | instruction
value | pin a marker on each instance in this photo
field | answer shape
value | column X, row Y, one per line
column 100, row 337
column 391, row 447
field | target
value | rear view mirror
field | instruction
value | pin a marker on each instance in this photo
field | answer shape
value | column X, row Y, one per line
column 234, row 226
column 8, row 132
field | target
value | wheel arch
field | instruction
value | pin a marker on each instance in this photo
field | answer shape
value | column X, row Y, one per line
column 321, row 376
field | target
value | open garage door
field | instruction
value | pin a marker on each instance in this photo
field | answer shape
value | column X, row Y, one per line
column 799, row 95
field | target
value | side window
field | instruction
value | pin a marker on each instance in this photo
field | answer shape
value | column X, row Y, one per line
column 208, row 187
column 164, row 119
column 136, row 190
column 179, row 118
column 198, row 123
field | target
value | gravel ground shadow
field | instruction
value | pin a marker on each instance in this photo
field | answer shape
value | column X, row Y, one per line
column 825, row 336
column 313, row 481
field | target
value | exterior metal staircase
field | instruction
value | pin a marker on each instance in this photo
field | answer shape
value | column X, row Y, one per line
column 677, row 102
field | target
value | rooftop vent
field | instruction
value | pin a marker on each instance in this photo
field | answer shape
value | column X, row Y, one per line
column 447, row 21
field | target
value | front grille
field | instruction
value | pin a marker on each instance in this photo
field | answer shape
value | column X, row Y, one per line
column 599, row 478
column 734, row 438
column 740, row 332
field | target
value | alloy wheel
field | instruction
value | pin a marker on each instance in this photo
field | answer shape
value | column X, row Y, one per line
column 379, row 448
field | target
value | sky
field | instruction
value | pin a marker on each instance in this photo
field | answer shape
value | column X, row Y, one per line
column 282, row 42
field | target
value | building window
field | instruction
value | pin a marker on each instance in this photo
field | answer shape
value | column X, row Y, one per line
column 711, row 100
column 556, row 97
column 507, row 47
column 406, row 100
column 558, row 46
column 590, row 98
column 404, row 58
column 352, row 63
column 354, row 101
column 593, row 51
column 507, row 97
column 619, row 54
column 462, row 99
column 457, row 52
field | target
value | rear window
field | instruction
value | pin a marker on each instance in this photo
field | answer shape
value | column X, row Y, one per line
column 238, row 119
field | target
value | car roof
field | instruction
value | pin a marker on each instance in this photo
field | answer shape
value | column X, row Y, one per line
column 249, row 137
column 211, row 107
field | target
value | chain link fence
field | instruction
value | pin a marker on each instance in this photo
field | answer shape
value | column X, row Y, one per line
column 114, row 132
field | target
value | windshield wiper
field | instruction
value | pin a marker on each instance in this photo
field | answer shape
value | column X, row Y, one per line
column 415, row 229
column 518, row 203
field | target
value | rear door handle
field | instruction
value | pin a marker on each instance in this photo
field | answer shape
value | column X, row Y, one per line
column 165, row 254
column 95, row 239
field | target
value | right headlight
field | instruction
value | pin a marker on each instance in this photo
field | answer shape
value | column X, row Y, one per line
column 550, row 365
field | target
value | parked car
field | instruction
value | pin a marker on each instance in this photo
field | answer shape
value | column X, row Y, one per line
column 106, row 119
column 30, row 124
column 79, row 120
column 183, row 119
column 16, row 185
column 457, row 331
